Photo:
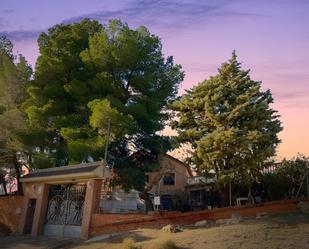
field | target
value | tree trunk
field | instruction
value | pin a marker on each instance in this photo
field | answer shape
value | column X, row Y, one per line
column 3, row 183
column 148, row 204
column 17, row 172
column 144, row 195
column 250, row 197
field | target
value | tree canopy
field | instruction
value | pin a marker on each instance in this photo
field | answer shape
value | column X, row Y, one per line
column 88, row 74
column 228, row 121
column 15, row 74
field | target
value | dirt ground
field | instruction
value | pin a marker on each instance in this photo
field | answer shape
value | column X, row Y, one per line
column 289, row 231
column 40, row 242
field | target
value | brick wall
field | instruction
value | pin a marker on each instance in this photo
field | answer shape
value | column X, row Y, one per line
column 10, row 211
column 112, row 223
column 103, row 219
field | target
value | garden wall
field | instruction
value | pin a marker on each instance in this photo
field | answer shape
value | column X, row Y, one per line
column 112, row 223
column 10, row 211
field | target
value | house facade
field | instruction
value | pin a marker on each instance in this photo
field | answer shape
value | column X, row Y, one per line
column 168, row 182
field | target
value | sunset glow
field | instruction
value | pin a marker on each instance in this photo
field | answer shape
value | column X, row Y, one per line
column 270, row 37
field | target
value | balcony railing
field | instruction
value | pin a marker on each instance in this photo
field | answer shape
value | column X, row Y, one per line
column 200, row 180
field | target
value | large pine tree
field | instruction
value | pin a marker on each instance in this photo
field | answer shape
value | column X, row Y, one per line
column 229, row 123
column 88, row 74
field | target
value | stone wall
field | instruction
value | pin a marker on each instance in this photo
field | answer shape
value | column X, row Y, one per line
column 113, row 223
column 10, row 211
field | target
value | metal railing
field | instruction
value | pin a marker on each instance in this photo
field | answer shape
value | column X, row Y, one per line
column 200, row 180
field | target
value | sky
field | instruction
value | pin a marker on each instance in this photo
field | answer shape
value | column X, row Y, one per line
column 271, row 38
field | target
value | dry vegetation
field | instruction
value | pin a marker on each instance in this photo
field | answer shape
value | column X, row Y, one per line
column 290, row 231
column 129, row 243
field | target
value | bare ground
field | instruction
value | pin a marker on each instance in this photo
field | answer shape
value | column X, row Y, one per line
column 289, row 231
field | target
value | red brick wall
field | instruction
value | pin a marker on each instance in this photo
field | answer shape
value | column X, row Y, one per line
column 10, row 211
column 112, row 223
column 103, row 219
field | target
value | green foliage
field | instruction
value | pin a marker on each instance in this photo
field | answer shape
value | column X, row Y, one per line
column 87, row 74
column 15, row 73
column 286, row 179
column 229, row 123
column 101, row 112
column 6, row 47
column 81, row 142
column 41, row 160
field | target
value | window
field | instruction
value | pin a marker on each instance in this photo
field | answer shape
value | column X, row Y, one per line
column 169, row 179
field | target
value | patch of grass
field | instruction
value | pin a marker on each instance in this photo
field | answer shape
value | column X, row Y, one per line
column 165, row 244
column 129, row 243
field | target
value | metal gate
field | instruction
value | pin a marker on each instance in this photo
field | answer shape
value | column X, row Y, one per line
column 65, row 206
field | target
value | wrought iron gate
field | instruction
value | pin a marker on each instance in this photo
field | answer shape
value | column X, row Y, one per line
column 65, row 206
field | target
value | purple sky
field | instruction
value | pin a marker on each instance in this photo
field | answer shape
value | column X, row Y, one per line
column 271, row 37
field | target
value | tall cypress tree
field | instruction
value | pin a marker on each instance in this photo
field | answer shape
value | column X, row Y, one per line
column 228, row 121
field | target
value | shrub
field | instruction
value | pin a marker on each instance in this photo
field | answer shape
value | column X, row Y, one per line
column 167, row 244
column 129, row 243
column 287, row 178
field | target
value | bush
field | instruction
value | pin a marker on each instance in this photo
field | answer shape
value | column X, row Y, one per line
column 167, row 244
column 286, row 179
column 129, row 243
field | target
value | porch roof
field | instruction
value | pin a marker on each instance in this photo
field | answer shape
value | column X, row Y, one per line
column 69, row 173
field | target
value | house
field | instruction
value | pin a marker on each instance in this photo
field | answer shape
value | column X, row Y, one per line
column 168, row 181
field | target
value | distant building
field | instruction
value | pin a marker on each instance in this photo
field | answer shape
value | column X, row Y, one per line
column 168, row 181
column 174, row 182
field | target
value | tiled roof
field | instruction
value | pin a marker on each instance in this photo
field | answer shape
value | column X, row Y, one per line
column 64, row 170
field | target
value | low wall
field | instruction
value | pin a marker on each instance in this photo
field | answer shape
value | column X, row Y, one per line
column 10, row 211
column 111, row 223
column 104, row 219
